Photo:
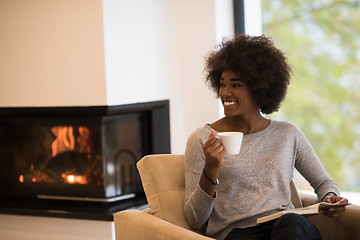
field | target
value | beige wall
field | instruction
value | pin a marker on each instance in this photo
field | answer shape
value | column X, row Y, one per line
column 51, row 53
column 110, row 52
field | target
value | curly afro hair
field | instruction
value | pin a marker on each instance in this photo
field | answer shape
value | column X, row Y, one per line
column 258, row 62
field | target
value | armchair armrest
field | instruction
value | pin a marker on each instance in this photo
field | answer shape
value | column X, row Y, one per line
column 350, row 222
column 135, row 224
column 345, row 227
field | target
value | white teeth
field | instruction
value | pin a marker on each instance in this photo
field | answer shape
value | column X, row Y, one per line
column 229, row 103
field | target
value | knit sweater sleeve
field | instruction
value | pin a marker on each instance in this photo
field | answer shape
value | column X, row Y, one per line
column 310, row 167
column 198, row 204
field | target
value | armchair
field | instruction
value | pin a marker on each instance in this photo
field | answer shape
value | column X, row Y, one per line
column 164, row 185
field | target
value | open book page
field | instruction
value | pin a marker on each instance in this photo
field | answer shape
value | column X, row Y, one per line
column 312, row 209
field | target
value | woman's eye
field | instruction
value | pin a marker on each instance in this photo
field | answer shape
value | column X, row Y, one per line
column 221, row 85
column 236, row 85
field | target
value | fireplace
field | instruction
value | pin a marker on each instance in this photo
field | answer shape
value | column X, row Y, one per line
column 79, row 153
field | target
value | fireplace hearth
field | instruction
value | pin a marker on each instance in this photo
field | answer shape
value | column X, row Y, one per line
column 79, row 153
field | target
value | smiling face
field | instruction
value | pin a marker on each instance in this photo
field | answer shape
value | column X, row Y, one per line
column 236, row 96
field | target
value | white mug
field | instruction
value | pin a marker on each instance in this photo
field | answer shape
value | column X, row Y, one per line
column 231, row 141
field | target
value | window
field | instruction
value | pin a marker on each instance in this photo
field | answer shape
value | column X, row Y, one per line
column 321, row 40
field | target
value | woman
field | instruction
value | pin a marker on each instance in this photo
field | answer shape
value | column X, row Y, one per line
column 225, row 194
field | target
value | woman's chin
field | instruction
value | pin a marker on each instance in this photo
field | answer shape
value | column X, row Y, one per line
column 229, row 113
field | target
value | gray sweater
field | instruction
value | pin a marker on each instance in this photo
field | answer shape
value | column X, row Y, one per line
column 253, row 183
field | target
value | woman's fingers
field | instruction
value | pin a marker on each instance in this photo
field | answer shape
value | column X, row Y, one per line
column 339, row 206
column 214, row 151
column 333, row 211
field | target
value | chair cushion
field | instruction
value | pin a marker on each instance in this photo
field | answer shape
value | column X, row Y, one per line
column 163, row 180
column 295, row 198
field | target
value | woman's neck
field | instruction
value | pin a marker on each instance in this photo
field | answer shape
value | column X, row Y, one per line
column 240, row 124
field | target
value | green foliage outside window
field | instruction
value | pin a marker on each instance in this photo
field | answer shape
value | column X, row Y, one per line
column 321, row 40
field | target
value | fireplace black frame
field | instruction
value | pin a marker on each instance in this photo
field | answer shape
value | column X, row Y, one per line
column 155, row 131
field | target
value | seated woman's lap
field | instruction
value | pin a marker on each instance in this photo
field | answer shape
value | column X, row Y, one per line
column 288, row 226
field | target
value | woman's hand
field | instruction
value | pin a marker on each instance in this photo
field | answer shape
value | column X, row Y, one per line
column 335, row 211
column 214, row 152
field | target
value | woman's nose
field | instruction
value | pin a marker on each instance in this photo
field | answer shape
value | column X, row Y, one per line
column 225, row 92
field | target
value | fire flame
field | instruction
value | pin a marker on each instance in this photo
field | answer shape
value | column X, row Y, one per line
column 64, row 141
column 84, row 140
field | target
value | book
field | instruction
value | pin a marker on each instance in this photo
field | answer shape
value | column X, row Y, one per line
column 309, row 210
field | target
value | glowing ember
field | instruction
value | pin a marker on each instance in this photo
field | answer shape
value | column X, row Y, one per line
column 21, row 178
column 74, row 179
column 70, row 178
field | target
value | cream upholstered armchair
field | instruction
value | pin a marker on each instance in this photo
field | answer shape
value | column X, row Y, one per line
column 163, row 181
